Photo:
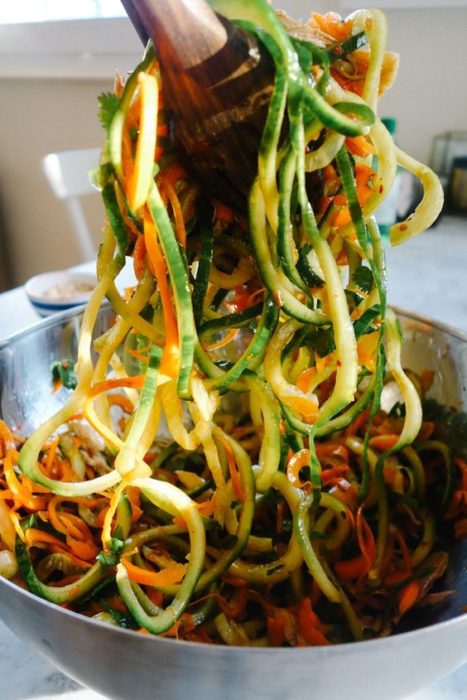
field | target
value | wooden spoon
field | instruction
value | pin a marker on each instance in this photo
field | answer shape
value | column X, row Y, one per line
column 217, row 86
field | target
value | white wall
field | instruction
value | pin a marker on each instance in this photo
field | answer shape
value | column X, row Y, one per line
column 430, row 94
column 39, row 115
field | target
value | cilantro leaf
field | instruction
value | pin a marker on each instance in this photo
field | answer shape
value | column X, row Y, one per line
column 108, row 105
column 363, row 279
column 113, row 556
column 365, row 323
column 322, row 340
column 64, row 371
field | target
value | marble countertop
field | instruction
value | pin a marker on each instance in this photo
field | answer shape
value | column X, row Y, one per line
column 426, row 275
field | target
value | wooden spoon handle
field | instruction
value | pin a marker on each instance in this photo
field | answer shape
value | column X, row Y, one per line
column 217, row 86
column 186, row 32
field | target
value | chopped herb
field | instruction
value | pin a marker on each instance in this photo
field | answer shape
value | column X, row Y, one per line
column 348, row 46
column 108, row 105
column 365, row 324
column 363, row 279
column 113, row 557
column 63, row 372
column 322, row 340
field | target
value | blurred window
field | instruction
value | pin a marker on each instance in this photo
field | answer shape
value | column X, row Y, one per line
column 50, row 10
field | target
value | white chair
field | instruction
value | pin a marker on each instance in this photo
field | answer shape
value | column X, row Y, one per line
column 67, row 174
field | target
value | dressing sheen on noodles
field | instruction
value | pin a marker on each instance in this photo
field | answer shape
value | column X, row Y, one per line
column 224, row 471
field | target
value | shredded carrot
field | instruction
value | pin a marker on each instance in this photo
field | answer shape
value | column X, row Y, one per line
column 122, row 401
column 383, row 443
column 330, row 173
column 127, row 155
column 243, row 299
column 408, row 596
column 155, row 596
column 51, row 454
column 235, row 608
column 233, row 470
column 359, row 422
column 332, row 24
column 350, row 569
column 144, row 359
column 32, row 487
column 78, row 536
column 7, row 437
column 366, row 348
column 166, row 577
column 305, row 378
column 33, row 536
column 323, row 207
column 359, row 566
column 75, row 416
column 139, row 257
column 405, row 551
column 171, row 356
column 83, row 550
column 307, row 406
column 134, row 496
column 158, row 153
column 330, row 475
column 135, row 382
column 366, row 540
column 22, row 496
column 359, row 146
column 331, row 449
column 396, row 577
column 309, row 625
column 177, row 212
column 342, row 217
column 224, row 341
column 206, row 508
column 173, row 173
column 162, row 130
column 276, row 630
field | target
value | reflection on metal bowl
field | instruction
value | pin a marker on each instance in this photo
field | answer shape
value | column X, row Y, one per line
column 123, row 664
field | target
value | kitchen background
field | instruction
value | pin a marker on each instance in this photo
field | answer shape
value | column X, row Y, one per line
column 52, row 73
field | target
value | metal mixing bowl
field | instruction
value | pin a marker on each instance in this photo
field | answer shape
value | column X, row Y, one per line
column 125, row 664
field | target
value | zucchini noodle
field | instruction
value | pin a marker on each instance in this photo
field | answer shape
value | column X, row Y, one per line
column 223, row 469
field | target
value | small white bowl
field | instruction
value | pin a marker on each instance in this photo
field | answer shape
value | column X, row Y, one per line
column 56, row 291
